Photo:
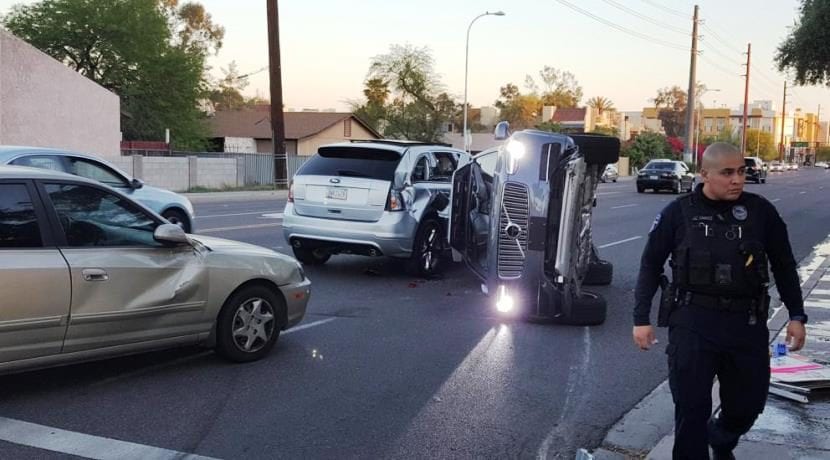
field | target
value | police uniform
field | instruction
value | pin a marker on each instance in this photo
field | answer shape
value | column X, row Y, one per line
column 721, row 252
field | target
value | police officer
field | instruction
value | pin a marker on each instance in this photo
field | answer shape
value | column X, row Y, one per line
column 722, row 242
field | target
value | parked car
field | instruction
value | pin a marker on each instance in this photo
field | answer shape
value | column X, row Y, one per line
column 794, row 166
column 756, row 170
column 174, row 207
column 373, row 198
column 821, row 164
column 610, row 174
column 521, row 220
column 665, row 175
column 776, row 166
column 88, row 273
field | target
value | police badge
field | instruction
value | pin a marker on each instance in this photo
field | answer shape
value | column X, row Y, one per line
column 739, row 212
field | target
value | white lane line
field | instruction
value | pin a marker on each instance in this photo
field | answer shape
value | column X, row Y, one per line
column 309, row 325
column 609, row 193
column 633, row 238
column 83, row 445
column 238, row 227
column 802, row 193
column 273, row 215
column 235, row 214
column 625, row 206
column 817, row 303
column 820, row 292
column 775, row 200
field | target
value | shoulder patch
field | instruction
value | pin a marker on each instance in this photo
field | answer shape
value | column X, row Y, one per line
column 656, row 222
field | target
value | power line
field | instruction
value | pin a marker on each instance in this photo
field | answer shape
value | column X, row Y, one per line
column 721, row 40
column 718, row 52
column 719, row 67
column 667, row 9
column 647, row 18
column 608, row 23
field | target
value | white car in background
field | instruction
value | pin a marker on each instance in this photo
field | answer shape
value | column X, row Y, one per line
column 776, row 166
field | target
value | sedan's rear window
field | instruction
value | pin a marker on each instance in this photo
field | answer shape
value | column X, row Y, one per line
column 661, row 165
column 352, row 162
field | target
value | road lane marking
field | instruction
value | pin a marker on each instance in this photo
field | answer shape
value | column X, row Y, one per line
column 775, row 200
column 609, row 193
column 820, row 292
column 83, row 445
column 625, row 206
column 273, row 215
column 633, row 238
column 236, row 214
column 817, row 303
column 309, row 325
column 801, row 193
column 238, row 227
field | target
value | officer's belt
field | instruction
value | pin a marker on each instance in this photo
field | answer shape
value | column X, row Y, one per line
column 711, row 302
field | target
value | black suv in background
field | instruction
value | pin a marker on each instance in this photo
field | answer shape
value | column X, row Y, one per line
column 665, row 175
column 756, row 170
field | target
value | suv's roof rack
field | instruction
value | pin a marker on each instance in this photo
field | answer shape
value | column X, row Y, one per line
column 398, row 142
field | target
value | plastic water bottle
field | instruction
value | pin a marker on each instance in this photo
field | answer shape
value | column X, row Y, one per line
column 781, row 349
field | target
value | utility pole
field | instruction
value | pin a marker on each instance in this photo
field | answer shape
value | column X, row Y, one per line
column 783, row 124
column 746, row 99
column 275, row 74
column 691, row 96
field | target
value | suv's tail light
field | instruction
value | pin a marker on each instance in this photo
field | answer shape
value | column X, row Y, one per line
column 395, row 201
column 291, row 192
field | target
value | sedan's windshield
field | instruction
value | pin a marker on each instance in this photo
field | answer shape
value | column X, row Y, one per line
column 660, row 165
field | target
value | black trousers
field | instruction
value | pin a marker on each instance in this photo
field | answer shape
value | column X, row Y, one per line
column 704, row 344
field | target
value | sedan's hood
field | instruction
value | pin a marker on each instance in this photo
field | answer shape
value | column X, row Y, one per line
column 223, row 246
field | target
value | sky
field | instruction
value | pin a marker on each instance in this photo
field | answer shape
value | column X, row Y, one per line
column 327, row 46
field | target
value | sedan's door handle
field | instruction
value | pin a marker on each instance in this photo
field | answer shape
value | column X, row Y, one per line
column 95, row 274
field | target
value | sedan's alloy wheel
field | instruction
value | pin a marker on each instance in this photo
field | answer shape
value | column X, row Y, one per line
column 253, row 325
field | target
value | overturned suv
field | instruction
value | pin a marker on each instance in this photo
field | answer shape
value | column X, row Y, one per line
column 521, row 219
column 373, row 198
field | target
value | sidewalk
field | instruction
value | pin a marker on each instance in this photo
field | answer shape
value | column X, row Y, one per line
column 786, row 430
column 211, row 197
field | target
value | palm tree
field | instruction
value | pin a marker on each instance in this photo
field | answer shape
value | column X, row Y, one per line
column 601, row 104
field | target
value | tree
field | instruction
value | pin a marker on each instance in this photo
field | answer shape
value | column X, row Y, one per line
column 761, row 144
column 600, row 104
column 154, row 59
column 418, row 109
column 823, row 154
column 227, row 92
column 520, row 110
column 671, row 110
column 559, row 88
column 805, row 50
column 646, row 147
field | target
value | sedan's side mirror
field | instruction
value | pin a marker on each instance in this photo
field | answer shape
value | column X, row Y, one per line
column 136, row 184
column 170, row 234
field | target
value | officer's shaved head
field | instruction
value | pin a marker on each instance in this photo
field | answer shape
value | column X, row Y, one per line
column 722, row 171
column 714, row 154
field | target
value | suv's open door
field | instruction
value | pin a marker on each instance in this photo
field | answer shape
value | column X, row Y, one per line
column 469, row 229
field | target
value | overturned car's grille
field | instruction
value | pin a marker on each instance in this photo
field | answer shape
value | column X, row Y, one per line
column 513, row 219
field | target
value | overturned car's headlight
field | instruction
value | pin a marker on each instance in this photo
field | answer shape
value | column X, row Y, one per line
column 504, row 302
column 515, row 152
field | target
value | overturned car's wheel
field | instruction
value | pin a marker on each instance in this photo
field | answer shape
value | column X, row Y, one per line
column 427, row 249
column 311, row 256
column 587, row 310
column 249, row 324
column 600, row 273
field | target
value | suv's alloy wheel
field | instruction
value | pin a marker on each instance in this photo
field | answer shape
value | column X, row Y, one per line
column 428, row 249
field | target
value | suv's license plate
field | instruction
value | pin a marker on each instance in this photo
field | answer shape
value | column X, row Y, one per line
column 652, row 177
column 337, row 193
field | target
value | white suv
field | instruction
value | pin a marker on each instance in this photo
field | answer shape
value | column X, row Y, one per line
column 373, row 198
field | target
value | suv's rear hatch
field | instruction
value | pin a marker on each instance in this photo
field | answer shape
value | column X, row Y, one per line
column 345, row 183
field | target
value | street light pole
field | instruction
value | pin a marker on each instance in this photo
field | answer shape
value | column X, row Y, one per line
column 466, row 66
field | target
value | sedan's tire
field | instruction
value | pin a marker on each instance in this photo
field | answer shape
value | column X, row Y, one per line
column 311, row 256
column 249, row 324
column 176, row 217
column 677, row 188
column 614, row 181
column 764, row 180
column 427, row 250
column 588, row 310
column 640, row 189
column 600, row 273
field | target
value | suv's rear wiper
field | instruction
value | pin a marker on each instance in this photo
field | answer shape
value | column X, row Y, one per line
column 351, row 173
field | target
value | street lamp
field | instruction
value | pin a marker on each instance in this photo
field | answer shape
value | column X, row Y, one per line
column 466, row 65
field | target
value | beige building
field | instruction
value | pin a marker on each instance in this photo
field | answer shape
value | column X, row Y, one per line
column 305, row 132
column 44, row 103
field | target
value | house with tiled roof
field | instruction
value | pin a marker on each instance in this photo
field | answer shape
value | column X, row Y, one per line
column 250, row 130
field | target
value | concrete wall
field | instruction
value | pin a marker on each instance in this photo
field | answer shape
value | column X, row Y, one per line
column 43, row 103
column 240, row 144
column 331, row 135
column 172, row 173
column 216, row 172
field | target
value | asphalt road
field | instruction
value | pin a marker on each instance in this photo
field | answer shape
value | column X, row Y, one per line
column 391, row 366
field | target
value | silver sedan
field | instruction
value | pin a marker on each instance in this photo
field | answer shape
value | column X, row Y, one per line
column 86, row 273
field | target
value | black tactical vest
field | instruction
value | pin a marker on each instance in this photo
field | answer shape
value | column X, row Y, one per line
column 722, row 252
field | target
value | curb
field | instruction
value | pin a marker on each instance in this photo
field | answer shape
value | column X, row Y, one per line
column 208, row 197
